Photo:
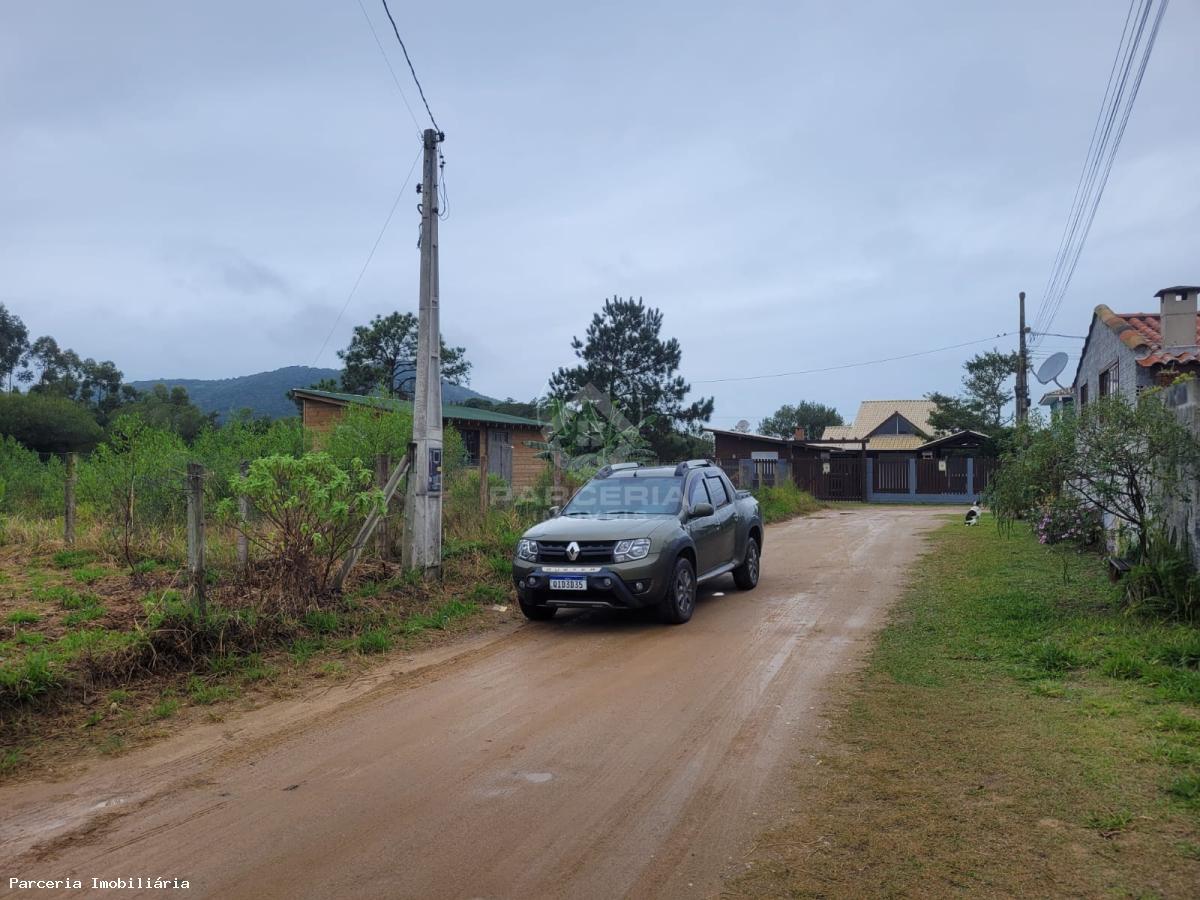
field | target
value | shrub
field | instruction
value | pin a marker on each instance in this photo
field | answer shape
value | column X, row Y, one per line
column 1065, row 519
column 29, row 484
column 783, row 501
column 1163, row 582
column 308, row 511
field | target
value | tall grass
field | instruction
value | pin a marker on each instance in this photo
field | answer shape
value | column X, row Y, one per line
column 784, row 501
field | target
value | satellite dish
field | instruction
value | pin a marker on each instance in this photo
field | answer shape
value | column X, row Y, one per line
column 1052, row 368
column 743, row 426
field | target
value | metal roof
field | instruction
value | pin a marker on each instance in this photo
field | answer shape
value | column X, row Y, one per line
column 449, row 410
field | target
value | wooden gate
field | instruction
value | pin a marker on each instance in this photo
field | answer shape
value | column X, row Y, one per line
column 499, row 449
column 891, row 476
column 842, row 481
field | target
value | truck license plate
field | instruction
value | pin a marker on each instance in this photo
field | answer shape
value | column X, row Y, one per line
column 568, row 583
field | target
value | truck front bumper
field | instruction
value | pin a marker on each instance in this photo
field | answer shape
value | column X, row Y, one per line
column 607, row 587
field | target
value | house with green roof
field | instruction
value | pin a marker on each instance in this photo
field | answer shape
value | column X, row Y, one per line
column 504, row 439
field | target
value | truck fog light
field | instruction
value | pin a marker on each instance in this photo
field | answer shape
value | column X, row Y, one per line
column 639, row 587
column 606, row 582
column 532, row 581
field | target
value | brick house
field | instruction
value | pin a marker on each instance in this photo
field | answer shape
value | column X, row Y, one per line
column 505, row 437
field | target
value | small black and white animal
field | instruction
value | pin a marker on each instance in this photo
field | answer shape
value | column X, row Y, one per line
column 972, row 517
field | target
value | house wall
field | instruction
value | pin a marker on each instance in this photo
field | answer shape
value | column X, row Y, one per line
column 1103, row 349
column 1183, row 514
column 727, row 446
column 319, row 417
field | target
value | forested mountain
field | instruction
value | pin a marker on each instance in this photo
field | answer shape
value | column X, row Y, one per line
column 266, row 393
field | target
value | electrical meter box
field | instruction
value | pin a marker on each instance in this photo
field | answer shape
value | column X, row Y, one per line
column 435, row 470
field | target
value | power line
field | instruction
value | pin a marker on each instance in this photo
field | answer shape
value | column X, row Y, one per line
column 854, row 365
column 387, row 61
column 370, row 256
column 1115, row 110
column 420, row 90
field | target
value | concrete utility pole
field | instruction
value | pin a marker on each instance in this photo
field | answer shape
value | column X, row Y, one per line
column 423, row 503
column 1022, row 398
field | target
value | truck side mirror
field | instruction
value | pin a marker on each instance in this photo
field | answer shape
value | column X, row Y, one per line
column 554, row 511
column 700, row 510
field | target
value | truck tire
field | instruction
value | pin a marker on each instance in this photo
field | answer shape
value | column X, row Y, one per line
column 745, row 576
column 680, row 602
column 536, row 613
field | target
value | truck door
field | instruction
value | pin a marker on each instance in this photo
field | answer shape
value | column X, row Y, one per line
column 704, row 530
column 725, row 540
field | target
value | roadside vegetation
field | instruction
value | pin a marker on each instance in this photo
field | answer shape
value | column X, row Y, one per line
column 1020, row 730
column 101, row 645
column 785, row 501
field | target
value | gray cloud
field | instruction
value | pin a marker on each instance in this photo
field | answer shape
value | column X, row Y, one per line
column 192, row 189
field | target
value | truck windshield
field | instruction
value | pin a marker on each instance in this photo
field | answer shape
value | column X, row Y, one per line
column 628, row 496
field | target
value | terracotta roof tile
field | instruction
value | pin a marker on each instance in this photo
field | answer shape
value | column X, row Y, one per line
column 1143, row 331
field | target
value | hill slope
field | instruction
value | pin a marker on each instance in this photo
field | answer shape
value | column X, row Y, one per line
column 266, row 392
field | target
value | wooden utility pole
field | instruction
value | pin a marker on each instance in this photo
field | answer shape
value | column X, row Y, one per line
column 423, row 503
column 195, row 534
column 69, row 500
column 1022, row 398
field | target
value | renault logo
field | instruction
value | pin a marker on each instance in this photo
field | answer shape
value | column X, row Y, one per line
column 572, row 551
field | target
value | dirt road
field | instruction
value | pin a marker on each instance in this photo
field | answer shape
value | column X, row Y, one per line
column 597, row 755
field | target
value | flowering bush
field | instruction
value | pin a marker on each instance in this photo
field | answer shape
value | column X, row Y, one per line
column 1065, row 520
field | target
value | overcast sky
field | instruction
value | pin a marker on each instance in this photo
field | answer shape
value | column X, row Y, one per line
column 190, row 189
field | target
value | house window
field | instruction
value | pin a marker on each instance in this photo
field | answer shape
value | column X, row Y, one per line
column 1083, row 397
column 470, row 438
column 1108, row 381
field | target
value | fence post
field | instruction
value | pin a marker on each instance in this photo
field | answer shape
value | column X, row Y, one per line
column 383, row 543
column 69, row 501
column 195, row 533
column 971, row 477
column 243, row 542
column 483, row 472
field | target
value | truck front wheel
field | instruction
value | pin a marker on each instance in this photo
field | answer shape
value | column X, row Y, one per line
column 746, row 575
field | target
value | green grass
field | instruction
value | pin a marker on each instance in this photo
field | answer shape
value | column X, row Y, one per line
column 439, row 617
column 165, row 708
column 785, row 501
column 203, row 693
column 88, row 574
column 321, row 621
column 377, row 640
column 70, row 559
column 65, row 597
column 85, row 614
column 11, row 760
column 1014, row 723
column 22, row 617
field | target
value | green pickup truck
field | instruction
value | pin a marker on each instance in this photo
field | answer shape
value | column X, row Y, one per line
column 637, row 536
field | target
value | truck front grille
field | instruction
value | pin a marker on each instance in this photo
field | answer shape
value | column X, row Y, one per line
column 589, row 551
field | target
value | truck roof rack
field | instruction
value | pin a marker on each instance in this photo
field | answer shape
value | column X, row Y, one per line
column 687, row 464
column 617, row 467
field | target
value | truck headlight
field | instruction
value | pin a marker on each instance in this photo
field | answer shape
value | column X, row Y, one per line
column 527, row 550
column 627, row 551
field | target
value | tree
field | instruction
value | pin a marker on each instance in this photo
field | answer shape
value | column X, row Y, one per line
column 383, row 354
column 624, row 357
column 588, row 434
column 49, row 369
column 812, row 417
column 1128, row 460
column 986, row 393
column 14, row 342
column 173, row 410
column 48, row 424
